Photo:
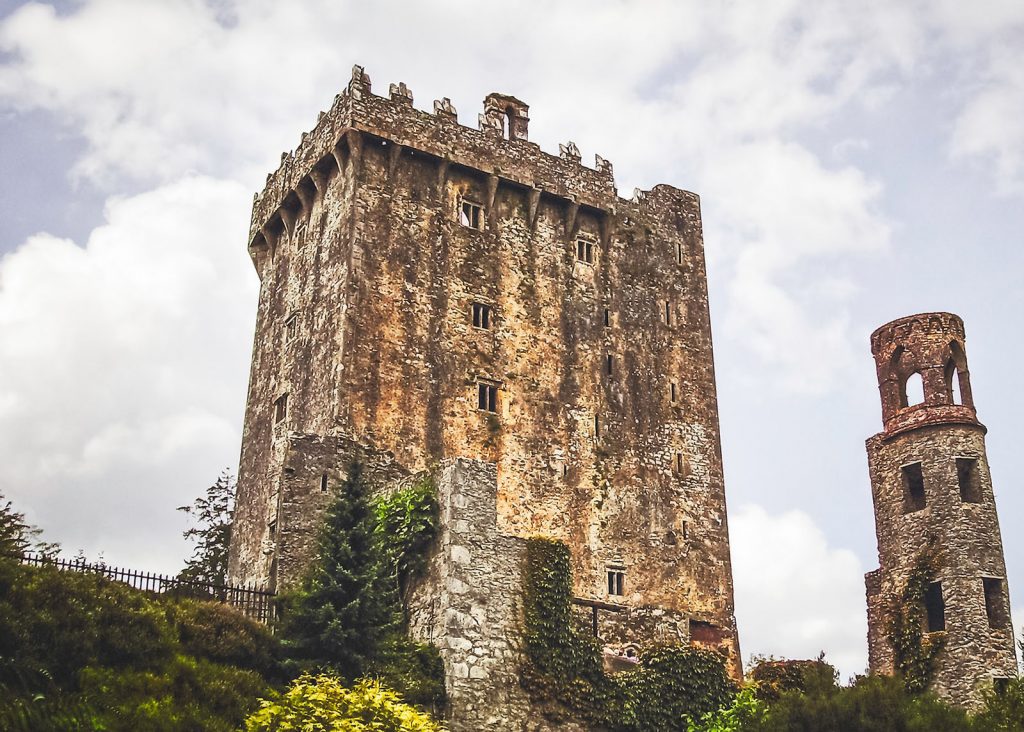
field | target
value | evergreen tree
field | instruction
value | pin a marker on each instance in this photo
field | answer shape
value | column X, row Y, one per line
column 213, row 514
column 17, row 536
column 346, row 605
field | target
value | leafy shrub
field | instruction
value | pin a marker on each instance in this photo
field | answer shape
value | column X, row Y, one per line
column 745, row 712
column 406, row 524
column 91, row 649
column 871, row 703
column 1003, row 710
column 772, row 676
column 670, row 685
column 217, row 632
column 323, row 703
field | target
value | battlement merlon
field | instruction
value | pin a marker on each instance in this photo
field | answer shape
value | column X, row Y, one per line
column 357, row 111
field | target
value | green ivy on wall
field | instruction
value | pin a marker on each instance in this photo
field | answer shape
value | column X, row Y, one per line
column 914, row 651
column 564, row 672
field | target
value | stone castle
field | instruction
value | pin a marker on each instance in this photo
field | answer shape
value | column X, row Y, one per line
column 434, row 294
column 436, row 297
column 932, row 491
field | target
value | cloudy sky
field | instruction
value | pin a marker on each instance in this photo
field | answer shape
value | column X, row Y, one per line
column 857, row 162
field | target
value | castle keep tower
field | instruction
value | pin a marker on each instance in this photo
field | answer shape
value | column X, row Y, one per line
column 930, row 484
column 434, row 292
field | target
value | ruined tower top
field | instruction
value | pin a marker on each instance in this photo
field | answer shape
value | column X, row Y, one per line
column 922, row 372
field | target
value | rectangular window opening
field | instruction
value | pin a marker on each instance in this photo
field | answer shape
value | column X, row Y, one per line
column 323, row 483
column 481, row 316
column 935, row 607
column 995, row 603
column 616, row 582
column 609, row 363
column 281, row 408
column 967, row 477
column 913, row 488
column 487, row 397
column 272, row 528
column 679, row 253
column 471, row 215
column 668, row 313
column 291, row 327
column 597, row 426
column 686, row 529
column 607, row 318
column 679, row 463
column 585, row 251
column 673, row 392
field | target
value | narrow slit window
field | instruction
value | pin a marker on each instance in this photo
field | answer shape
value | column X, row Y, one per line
column 607, row 318
column 272, row 529
column 481, row 316
column 597, row 426
column 935, row 607
column 585, row 251
column 609, row 363
column 668, row 313
column 672, row 392
column 913, row 488
column 291, row 327
column 281, row 408
column 686, row 529
column 967, row 478
column 995, row 603
column 471, row 215
column 323, row 483
column 679, row 252
column 616, row 582
column 487, row 397
column 679, row 463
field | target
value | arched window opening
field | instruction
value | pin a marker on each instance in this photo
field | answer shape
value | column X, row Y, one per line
column 509, row 117
column 913, row 390
column 953, row 384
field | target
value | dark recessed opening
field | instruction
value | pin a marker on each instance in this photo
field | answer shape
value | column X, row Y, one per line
column 913, row 488
column 967, row 478
column 995, row 602
column 935, row 607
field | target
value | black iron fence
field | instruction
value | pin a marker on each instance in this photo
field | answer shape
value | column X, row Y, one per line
column 254, row 602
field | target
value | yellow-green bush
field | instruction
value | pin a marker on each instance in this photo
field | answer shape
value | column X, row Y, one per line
column 323, row 704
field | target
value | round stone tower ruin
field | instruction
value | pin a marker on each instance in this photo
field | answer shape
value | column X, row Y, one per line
column 931, row 487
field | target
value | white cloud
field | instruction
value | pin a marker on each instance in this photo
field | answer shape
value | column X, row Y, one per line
column 123, row 366
column 795, row 595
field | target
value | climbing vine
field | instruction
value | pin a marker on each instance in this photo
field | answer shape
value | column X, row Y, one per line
column 914, row 651
column 564, row 671
column 407, row 521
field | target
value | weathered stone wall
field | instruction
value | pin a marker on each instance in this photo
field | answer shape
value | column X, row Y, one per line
column 964, row 527
column 468, row 603
column 358, row 237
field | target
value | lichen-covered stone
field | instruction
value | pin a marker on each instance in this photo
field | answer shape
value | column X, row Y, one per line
column 950, row 506
column 604, row 429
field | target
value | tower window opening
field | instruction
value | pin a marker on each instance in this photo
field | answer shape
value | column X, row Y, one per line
column 679, row 463
column 913, row 390
column 913, row 488
column 1000, row 684
column 995, row 602
column 616, row 582
column 672, row 392
column 607, row 318
column 679, row 252
column 668, row 312
column 487, row 397
column 291, row 327
column 609, row 363
column 585, row 251
column 481, row 316
column 323, row 483
column 280, row 408
column 935, row 607
column 954, row 388
column 272, row 528
column 686, row 529
column 968, row 479
column 597, row 426
column 471, row 215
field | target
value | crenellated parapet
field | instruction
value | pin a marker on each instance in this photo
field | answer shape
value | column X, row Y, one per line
column 500, row 147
